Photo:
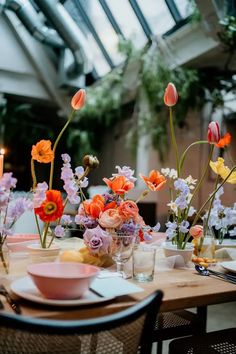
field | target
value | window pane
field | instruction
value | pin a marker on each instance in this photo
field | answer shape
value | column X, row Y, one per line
column 103, row 28
column 129, row 24
column 157, row 15
column 184, row 7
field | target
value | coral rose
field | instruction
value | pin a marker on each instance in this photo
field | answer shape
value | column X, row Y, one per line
column 196, row 231
column 110, row 218
column 128, row 210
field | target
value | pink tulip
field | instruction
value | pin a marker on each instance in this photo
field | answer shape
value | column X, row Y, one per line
column 213, row 135
column 78, row 100
column 196, row 231
column 171, row 95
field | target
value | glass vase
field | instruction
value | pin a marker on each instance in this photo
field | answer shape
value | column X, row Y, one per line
column 207, row 244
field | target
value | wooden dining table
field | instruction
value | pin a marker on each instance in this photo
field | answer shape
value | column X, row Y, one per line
column 182, row 288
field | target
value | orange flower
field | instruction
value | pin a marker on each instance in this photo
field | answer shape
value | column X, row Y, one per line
column 119, row 185
column 42, row 151
column 95, row 206
column 128, row 209
column 171, row 95
column 110, row 219
column 78, row 100
column 155, row 181
column 52, row 207
column 224, row 141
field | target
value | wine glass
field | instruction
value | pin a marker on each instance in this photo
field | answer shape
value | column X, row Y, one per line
column 122, row 249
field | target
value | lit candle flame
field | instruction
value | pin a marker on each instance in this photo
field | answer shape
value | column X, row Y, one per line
column 2, row 151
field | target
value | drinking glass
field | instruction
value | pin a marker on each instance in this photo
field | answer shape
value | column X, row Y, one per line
column 122, row 249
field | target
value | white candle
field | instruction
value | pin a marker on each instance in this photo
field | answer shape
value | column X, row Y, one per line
column 2, row 151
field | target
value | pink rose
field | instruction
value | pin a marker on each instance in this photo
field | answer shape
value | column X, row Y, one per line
column 128, row 210
column 196, row 231
column 110, row 218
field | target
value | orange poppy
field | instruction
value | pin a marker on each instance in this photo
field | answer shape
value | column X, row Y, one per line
column 224, row 141
column 42, row 151
column 52, row 207
column 78, row 100
column 155, row 181
column 119, row 185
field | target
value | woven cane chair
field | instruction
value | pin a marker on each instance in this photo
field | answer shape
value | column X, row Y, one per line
column 125, row 332
column 176, row 324
column 218, row 342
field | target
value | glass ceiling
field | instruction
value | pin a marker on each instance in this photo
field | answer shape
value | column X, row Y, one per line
column 103, row 22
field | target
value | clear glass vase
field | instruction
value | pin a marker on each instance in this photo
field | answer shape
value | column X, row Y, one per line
column 207, row 244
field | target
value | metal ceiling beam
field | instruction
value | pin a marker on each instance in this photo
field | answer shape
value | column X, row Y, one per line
column 111, row 18
column 143, row 22
column 91, row 28
column 174, row 10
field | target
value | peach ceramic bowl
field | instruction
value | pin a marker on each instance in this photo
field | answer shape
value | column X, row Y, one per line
column 64, row 281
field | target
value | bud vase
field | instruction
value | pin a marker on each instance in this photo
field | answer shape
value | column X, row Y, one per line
column 207, row 245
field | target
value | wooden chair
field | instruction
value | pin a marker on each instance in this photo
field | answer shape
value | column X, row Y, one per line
column 217, row 342
column 127, row 332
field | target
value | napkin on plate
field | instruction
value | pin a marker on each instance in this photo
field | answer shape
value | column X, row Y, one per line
column 116, row 286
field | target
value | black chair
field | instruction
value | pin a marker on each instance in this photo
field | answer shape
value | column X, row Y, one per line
column 176, row 324
column 218, row 342
column 127, row 332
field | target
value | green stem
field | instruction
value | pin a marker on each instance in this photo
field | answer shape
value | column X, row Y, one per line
column 211, row 203
column 33, row 175
column 212, row 195
column 3, row 260
column 55, row 146
column 37, row 223
column 183, row 156
column 142, row 195
column 45, row 231
column 174, row 143
column 201, row 179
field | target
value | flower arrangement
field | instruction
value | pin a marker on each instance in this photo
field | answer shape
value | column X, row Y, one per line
column 10, row 211
column 184, row 190
column 48, row 203
column 113, row 213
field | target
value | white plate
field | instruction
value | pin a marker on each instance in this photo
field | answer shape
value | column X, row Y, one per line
column 231, row 266
column 25, row 288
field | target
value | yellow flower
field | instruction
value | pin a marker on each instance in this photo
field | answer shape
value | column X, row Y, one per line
column 223, row 171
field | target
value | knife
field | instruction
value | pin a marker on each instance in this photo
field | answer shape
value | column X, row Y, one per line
column 13, row 303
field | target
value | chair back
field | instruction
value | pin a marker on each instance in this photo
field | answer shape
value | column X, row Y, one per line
column 126, row 332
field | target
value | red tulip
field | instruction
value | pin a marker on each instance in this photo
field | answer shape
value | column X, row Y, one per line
column 171, row 95
column 78, row 100
column 213, row 135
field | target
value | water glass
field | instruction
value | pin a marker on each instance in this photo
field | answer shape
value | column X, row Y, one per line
column 144, row 263
column 122, row 248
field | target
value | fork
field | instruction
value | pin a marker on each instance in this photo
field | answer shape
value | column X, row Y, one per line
column 13, row 303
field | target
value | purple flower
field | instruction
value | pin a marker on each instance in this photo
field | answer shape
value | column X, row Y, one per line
column 66, row 172
column 7, row 181
column 39, row 194
column 66, row 158
column 97, row 240
column 125, row 171
column 4, row 197
column 59, row 231
column 183, row 227
column 20, row 206
column 157, row 227
column 128, row 228
column 66, row 220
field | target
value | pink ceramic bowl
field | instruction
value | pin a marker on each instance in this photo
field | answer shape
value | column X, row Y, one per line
column 62, row 280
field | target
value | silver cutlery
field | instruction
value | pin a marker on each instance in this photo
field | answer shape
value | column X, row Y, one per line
column 13, row 303
column 204, row 271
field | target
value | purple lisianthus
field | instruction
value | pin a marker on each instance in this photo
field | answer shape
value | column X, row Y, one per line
column 97, row 240
column 19, row 207
column 66, row 220
column 66, row 158
column 7, row 181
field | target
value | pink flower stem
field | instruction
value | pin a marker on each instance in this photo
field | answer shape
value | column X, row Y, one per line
column 174, row 143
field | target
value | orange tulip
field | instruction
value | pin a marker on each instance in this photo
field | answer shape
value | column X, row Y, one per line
column 42, row 151
column 155, row 181
column 119, row 185
column 94, row 207
column 78, row 100
column 52, row 207
column 224, row 141
column 171, row 95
